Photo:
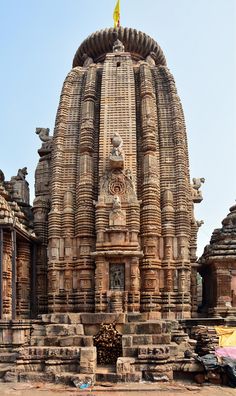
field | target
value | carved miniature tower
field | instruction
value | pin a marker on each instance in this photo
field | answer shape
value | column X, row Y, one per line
column 114, row 203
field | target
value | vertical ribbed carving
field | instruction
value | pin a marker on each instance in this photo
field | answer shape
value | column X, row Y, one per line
column 85, row 211
column 23, row 280
column 62, row 251
column 150, row 209
column 174, row 177
column 7, row 276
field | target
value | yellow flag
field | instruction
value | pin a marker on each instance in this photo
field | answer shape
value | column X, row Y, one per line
column 116, row 14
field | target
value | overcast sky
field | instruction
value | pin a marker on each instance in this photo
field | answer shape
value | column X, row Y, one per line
column 38, row 39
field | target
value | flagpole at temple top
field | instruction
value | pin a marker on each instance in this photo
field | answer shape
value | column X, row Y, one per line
column 116, row 15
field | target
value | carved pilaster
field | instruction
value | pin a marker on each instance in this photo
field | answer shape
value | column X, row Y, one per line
column 62, row 250
column 150, row 209
column 23, row 279
column 40, row 211
column 7, row 276
column 85, row 229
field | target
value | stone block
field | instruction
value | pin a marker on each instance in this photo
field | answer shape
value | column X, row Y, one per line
column 19, row 336
column 166, row 338
column 127, row 341
column 79, row 329
column 60, row 318
column 38, row 331
column 10, row 376
column 143, row 339
column 87, row 341
column 36, row 377
column 107, row 377
column 70, row 341
column 135, row 317
column 152, row 315
column 88, row 360
column 130, row 352
column 157, row 338
column 37, row 341
column 173, row 349
column 74, row 318
column 129, row 328
column 106, row 318
column 131, row 377
column 6, row 357
column 91, row 330
column 149, row 328
column 170, row 325
column 51, row 341
column 63, row 329
column 125, row 365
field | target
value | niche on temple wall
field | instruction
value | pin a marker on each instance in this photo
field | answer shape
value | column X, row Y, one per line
column 117, row 277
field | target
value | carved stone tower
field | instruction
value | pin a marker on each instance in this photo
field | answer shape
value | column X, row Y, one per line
column 114, row 202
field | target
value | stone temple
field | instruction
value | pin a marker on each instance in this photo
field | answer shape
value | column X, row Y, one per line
column 109, row 246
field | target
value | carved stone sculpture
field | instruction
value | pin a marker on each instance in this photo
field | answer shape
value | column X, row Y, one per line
column 43, row 134
column 118, row 46
column 196, row 193
column 87, row 60
column 21, row 174
column 116, row 153
column 150, row 59
column 20, row 186
column 199, row 223
column 117, row 216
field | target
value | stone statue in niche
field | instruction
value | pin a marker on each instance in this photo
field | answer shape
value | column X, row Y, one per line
column 118, row 46
column 129, row 175
column 20, row 186
column 116, row 153
column 117, row 216
column 196, row 193
column 150, row 59
column 117, row 277
column 87, row 60
column 117, row 144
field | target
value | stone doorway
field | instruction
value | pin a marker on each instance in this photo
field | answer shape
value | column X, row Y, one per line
column 108, row 342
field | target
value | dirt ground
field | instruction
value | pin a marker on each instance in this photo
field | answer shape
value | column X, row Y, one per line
column 141, row 389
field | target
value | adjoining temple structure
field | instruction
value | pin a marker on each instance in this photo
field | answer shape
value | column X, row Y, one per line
column 218, row 270
column 114, row 201
column 17, row 248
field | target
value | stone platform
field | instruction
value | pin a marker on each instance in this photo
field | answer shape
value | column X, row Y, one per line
column 60, row 348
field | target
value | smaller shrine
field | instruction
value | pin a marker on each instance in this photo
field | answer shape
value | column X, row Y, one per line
column 17, row 264
column 218, row 270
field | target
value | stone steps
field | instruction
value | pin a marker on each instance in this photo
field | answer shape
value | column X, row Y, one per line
column 69, row 378
column 8, row 357
column 4, row 368
column 61, row 345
